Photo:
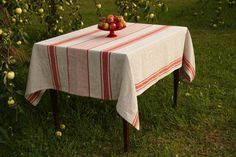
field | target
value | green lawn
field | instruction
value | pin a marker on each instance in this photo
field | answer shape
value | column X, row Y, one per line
column 204, row 124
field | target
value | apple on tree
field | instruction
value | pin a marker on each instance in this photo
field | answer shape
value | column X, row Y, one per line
column 11, row 101
column 18, row 10
column 19, row 42
column 13, row 20
column 40, row 10
column 10, row 75
column 151, row 16
column 98, row 5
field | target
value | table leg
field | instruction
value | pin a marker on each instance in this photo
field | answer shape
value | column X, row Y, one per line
column 126, row 135
column 55, row 108
column 176, row 86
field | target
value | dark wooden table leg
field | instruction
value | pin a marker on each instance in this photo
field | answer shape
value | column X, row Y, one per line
column 176, row 86
column 126, row 135
column 55, row 108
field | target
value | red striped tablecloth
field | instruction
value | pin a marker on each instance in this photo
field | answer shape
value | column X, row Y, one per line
column 87, row 63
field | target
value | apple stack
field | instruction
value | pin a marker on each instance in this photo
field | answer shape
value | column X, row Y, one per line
column 112, row 23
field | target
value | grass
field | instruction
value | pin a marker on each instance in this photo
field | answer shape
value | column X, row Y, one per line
column 204, row 124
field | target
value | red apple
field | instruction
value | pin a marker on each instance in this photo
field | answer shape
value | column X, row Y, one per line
column 112, row 26
column 124, row 23
column 119, row 25
column 105, row 26
column 115, row 19
column 110, row 19
column 103, row 19
column 120, row 18
column 100, row 25
column 110, row 15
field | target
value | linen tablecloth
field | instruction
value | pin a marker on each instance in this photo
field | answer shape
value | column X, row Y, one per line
column 87, row 63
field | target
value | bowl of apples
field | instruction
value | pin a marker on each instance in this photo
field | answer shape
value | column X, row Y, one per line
column 112, row 23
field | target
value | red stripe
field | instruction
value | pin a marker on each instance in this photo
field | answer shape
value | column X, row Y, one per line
column 54, row 67
column 189, row 67
column 50, row 63
column 185, row 76
column 137, row 38
column 92, row 48
column 101, row 75
column 97, row 46
column 33, row 96
column 163, row 71
column 106, row 96
column 100, row 63
column 88, row 73
column 57, row 71
column 153, row 74
column 106, row 58
column 135, row 120
column 53, row 58
column 30, row 96
column 188, row 77
column 113, row 39
column 74, row 38
column 104, row 61
column 110, row 74
column 68, row 69
column 110, row 84
column 157, row 74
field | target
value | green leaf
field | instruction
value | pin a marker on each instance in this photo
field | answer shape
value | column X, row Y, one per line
column 20, row 92
column 5, row 138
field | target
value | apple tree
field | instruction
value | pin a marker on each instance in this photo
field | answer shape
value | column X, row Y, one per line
column 136, row 10
column 58, row 15
column 14, row 18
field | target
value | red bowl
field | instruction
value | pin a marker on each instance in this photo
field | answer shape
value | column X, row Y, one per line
column 112, row 32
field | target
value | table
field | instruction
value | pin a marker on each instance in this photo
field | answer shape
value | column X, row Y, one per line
column 87, row 63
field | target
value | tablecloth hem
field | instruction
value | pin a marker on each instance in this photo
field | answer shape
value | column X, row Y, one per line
column 128, row 117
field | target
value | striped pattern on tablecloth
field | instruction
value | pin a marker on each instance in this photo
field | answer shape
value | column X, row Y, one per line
column 87, row 63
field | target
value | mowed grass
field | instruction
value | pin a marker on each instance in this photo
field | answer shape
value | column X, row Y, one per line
column 204, row 123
